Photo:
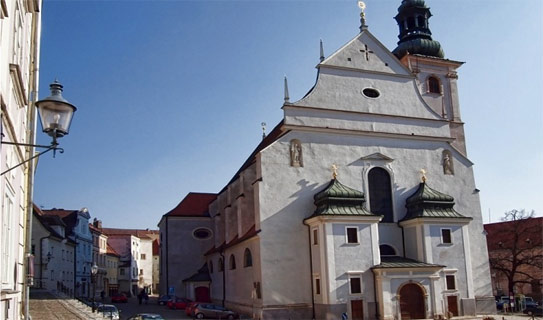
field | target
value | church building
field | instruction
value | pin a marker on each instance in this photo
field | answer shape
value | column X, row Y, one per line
column 360, row 202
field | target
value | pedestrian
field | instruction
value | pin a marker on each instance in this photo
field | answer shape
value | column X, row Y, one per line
column 140, row 297
column 102, row 295
column 146, row 297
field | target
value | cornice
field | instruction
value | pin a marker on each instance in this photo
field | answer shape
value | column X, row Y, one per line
column 379, row 134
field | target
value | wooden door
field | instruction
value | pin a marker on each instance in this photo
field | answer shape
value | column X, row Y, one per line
column 202, row 294
column 452, row 302
column 357, row 309
column 412, row 302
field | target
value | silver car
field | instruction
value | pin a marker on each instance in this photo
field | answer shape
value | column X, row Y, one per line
column 109, row 311
column 213, row 311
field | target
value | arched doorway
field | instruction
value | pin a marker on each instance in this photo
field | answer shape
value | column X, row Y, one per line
column 201, row 294
column 412, row 301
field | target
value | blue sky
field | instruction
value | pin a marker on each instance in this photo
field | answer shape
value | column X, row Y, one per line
column 171, row 94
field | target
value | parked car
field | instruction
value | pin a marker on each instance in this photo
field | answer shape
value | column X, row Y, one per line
column 500, row 301
column 146, row 316
column 530, row 302
column 119, row 297
column 109, row 311
column 163, row 300
column 178, row 303
column 205, row 310
column 190, row 308
column 534, row 311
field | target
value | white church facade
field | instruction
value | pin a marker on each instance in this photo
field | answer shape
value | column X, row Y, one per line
column 361, row 201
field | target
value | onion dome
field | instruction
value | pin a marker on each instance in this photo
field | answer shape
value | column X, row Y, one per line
column 429, row 203
column 338, row 199
column 415, row 35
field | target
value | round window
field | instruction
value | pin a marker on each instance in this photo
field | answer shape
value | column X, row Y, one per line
column 370, row 93
column 202, row 233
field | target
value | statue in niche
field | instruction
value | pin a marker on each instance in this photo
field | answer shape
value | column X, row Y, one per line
column 296, row 159
column 447, row 163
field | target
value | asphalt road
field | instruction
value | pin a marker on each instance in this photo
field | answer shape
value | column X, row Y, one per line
column 132, row 308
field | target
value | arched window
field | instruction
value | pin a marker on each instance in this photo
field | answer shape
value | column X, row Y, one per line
column 247, row 258
column 210, row 266
column 387, row 250
column 410, row 23
column 420, row 21
column 221, row 265
column 380, row 194
column 433, row 85
column 232, row 262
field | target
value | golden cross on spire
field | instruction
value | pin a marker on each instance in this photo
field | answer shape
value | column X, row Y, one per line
column 423, row 173
column 334, row 171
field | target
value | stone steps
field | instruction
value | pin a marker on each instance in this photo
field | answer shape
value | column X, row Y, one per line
column 46, row 305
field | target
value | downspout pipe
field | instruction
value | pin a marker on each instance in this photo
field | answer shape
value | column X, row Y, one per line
column 31, row 138
column 311, row 271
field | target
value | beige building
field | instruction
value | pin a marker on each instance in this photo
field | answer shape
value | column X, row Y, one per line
column 19, row 64
column 135, row 248
column 112, row 276
column 99, row 251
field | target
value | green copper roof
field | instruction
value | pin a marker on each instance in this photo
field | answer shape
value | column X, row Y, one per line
column 411, row 3
column 429, row 203
column 426, row 47
column 338, row 199
column 401, row 262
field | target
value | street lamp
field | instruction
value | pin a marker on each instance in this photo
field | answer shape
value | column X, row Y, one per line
column 94, row 271
column 56, row 116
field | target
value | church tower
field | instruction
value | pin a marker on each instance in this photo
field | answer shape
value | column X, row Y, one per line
column 425, row 58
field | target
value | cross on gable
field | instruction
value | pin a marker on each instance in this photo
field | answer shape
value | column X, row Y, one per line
column 367, row 51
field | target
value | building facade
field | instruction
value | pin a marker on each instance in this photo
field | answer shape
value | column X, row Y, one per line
column 188, row 223
column 99, row 252
column 54, row 254
column 112, row 264
column 135, row 248
column 19, row 64
column 515, row 249
column 361, row 201
column 77, row 227
column 156, row 266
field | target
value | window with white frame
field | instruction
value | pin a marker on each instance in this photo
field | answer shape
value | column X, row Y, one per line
column 315, row 236
column 7, row 236
column 351, row 234
column 450, row 280
column 317, row 285
column 355, row 284
column 446, row 236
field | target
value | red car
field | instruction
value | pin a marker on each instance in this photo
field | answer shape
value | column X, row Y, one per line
column 190, row 307
column 178, row 303
column 119, row 297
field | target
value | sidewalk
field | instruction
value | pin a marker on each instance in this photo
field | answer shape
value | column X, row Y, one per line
column 508, row 316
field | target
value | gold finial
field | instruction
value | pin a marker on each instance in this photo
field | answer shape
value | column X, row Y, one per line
column 362, row 7
column 334, row 171
column 423, row 173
